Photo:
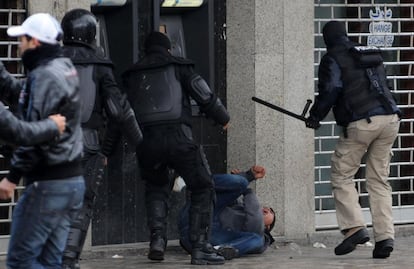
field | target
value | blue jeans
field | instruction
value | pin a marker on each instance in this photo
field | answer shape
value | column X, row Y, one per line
column 41, row 221
column 228, row 188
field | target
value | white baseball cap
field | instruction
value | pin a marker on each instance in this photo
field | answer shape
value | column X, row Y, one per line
column 41, row 26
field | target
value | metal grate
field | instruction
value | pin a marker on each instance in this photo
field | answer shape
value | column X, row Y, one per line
column 11, row 13
column 399, row 60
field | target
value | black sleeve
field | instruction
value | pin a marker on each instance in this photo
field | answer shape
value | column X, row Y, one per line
column 113, row 99
column 118, row 110
column 199, row 90
column 111, row 138
column 329, row 87
column 10, row 87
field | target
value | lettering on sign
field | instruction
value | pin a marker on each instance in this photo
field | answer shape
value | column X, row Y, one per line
column 381, row 31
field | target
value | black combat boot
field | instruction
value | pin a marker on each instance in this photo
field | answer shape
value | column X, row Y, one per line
column 157, row 223
column 93, row 166
column 202, row 252
column 158, row 244
column 76, row 239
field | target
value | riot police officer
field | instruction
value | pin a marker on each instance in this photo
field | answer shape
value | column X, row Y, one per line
column 102, row 106
column 159, row 87
column 352, row 81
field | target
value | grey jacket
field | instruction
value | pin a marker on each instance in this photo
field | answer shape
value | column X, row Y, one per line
column 245, row 214
column 50, row 88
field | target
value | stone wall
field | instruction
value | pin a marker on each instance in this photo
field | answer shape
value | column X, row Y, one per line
column 270, row 56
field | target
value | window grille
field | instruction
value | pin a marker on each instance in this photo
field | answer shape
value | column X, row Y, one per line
column 11, row 13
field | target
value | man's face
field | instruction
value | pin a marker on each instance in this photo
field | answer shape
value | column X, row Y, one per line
column 26, row 44
column 268, row 216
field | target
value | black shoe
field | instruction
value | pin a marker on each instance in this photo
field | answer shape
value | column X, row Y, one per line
column 350, row 243
column 70, row 264
column 383, row 249
column 228, row 252
column 157, row 248
column 205, row 255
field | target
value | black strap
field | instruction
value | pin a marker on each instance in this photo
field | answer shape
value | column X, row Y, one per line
column 345, row 130
column 375, row 82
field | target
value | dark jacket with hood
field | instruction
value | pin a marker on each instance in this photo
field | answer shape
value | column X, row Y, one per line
column 343, row 84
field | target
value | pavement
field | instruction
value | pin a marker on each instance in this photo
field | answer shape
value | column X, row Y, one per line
column 280, row 255
column 316, row 253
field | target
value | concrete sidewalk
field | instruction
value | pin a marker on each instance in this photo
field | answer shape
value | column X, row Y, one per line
column 319, row 254
column 281, row 255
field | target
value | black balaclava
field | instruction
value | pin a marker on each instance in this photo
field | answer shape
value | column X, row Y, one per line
column 158, row 39
column 333, row 33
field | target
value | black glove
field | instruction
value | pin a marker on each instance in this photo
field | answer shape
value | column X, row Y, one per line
column 7, row 150
column 311, row 123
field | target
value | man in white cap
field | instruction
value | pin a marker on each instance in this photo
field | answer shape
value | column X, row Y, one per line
column 52, row 171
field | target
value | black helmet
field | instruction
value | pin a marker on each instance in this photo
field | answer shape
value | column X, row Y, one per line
column 79, row 26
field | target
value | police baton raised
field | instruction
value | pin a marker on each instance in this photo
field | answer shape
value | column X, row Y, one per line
column 287, row 112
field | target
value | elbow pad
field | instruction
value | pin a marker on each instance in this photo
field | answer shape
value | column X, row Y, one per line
column 117, row 107
column 200, row 91
column 113, row 108
column 208, row 102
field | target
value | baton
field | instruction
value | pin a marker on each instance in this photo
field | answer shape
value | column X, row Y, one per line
column 287, row 112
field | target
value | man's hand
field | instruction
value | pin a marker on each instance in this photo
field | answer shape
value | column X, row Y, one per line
column 225, row 127
column 258, row 171
column 6, row 189
column 60, row 122
column 311, row 123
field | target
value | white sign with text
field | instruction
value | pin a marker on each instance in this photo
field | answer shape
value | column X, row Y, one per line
column 381, row 31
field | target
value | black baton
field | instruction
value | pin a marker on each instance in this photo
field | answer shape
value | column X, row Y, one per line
column 287, row 112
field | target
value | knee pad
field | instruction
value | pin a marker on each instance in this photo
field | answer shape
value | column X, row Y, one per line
column 201, row 177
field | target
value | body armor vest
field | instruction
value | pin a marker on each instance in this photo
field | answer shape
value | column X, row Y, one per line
column 360, row 95
column 87, row 91
column 159, row 96
column 88, row 96
column 85, row 59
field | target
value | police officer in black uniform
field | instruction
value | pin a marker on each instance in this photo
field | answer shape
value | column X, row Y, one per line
column 159, row 88
column 102, row 106
column 352, row 81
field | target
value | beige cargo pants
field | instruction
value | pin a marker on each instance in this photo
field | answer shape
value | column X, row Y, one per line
column 374, row 140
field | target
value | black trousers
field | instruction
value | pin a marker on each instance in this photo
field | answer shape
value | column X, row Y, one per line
column 172, row 147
